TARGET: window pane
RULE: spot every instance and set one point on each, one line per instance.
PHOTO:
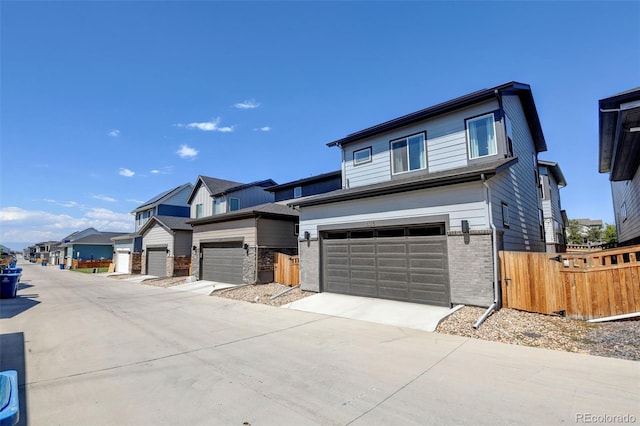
(362, 156)
(198, 210)
(399, 156)
(234, 204)
(217, 206)
(482, 137)
(416, 153)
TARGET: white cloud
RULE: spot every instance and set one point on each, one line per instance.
(133, 200)
(104, 198)
(208, 126)
(187, 152)
(262, 129)
(166, 170)
(126, 172)
(155, 172)
(114, 133)
(248, 104)
(17, 224)
(63, 203)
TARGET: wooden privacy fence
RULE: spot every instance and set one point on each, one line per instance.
(75, 264)
(581, 286)
(286, 269)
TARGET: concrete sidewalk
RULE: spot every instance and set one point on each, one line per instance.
(389, 312)
(202, 287)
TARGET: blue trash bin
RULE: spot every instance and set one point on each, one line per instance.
(62, 266)
(9, 285)
(9, 399)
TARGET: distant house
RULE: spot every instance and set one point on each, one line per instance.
(427, 200)
(97, 246)
(237, 228)
(620, 158)
(166, 246)
(128, 248)
(66, 244)
(551, 180)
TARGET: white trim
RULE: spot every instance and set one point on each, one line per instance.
(495, 135)
(406, 139)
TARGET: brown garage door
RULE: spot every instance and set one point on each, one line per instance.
(401, 263)
(222, 262)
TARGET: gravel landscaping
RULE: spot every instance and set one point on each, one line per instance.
(262, 293)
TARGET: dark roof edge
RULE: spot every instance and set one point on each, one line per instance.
(457, 103)
(156, 199)
(225, 217)
(555, 169)
(293, 183)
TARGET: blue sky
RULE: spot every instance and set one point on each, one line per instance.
(106, 104)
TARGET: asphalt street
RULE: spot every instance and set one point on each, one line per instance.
(93, 350)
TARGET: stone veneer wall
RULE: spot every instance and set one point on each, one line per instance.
(181, 266)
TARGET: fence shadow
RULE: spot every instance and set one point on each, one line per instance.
(12, 358)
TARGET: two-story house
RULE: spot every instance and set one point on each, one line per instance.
(165, 257)
(427, 201)
(620, 158)
(66, 244)
(236, 229)
(555, 219)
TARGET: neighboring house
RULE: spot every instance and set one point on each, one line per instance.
(67, 247)
(620, 157)
(169, 203)
(588, 224)
(211, 196)
(237, 228)
(307, 187)
(166, 246)
(551, 180)
(127, 254)
(128, 248)
(44, 251)
(238, 247)
(98, 246)
(427, 201)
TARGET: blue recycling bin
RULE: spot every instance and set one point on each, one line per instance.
(62, 266)
(9, 399)
(9, 285)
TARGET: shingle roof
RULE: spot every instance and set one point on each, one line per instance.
(101, 238)
(312, 179)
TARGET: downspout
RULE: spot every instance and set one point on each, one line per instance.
(496, 290)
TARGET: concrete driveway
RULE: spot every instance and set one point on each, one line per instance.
(93, 350)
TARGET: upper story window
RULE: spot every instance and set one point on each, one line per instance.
(234, 204)
(362, 156)
(481, 135)
(217, 206)
(408, 154)
(297, 192)
(509, 131)
(199, 210)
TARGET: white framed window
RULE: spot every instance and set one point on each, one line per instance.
(408, 154)
(217, 206)
(297, 192)
(505, 215)
(234, 204)
(199, 210)
(481, 136)
(362, 156)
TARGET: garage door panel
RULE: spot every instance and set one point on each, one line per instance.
(223, 263)
(157, 262)
(413, 269)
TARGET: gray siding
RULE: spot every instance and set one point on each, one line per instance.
(243, 229)
(203, 197)
(518, 187)
(446, 146)
(179, 198)
(157, 236)
(627, 193)
(465, 201)
(552, 210)
(182, 243)
(252, 196)
(276, 233)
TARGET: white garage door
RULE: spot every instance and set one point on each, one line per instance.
(122, 262)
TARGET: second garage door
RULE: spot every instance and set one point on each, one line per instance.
(403, 263)
(157, 261)
(222, 262)
(122, 262)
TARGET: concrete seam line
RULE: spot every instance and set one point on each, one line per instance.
(115, 367)
(408, 383)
